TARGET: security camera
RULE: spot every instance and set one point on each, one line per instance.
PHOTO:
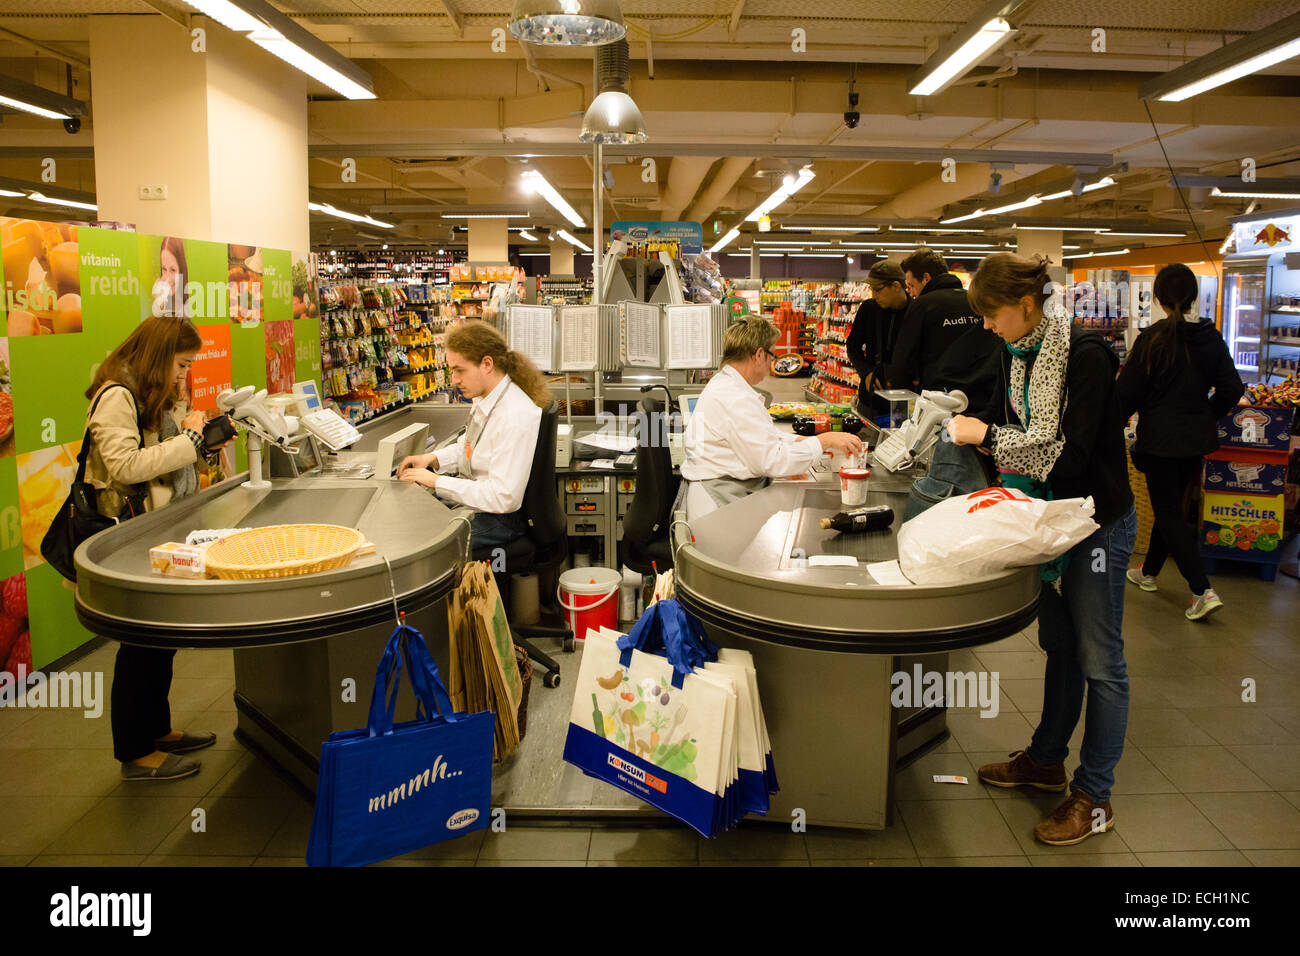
(995, 183)
(851, 116)
(72, 124)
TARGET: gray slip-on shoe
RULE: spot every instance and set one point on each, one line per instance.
(186, 743)
(172, 768)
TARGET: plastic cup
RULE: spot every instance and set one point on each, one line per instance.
(853, 487)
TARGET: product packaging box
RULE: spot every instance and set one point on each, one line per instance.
(179, 560)
(1241, 526)
(1257, 427)
(1247, 477)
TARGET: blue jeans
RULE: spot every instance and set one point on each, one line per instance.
(1080, 629)
(494, 531)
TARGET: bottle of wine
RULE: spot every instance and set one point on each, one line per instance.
(597, 717)
(875, 518)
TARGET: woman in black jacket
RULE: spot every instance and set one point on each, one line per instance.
(1055, 430)
(1167, 380)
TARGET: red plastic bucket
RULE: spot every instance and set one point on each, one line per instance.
(588, 598)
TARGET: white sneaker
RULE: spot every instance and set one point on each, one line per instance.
(1203, 605)
(1146, 582)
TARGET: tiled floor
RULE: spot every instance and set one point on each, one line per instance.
(1207, 779)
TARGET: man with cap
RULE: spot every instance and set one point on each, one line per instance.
(875, 328)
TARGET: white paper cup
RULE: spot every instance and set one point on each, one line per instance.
(853, 487)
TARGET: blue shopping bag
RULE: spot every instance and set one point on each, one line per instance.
(386, 790)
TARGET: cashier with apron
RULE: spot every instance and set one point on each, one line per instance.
(488, 469)
(732, 447)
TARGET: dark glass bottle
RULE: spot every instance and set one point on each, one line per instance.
(875, 518)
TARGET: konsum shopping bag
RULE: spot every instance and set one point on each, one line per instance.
(973, 536)
(655, 728)
(483, 674)
(386, 790)
(732, 655)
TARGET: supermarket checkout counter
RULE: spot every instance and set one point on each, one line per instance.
(826, 640)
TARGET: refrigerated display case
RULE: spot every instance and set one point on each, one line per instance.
(1243, 294)
(1261, 296)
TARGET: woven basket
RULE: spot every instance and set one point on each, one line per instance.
(526, 676)
(1142, 501)
(283, 550)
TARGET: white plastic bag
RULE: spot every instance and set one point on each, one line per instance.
(977, 535)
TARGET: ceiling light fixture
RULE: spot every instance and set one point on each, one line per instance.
(612, 117)
(930, 229)
(330, 210)
(55, 201)
(567, 22)
(1243, 194)
(573, 240)
(830, 228)
(1250, 54)
(725, 240)
(486, 215)
(1090, 255)
(525, 234)
(980, 36)
(1163, 235)
(792, 242)
(38, 101)
(11, 193)
(790, 185)
(535, 182)
(228, 15)
(1060, 228)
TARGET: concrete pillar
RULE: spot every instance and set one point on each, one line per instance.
(561, 258)
(224, 130)
(755, 262)
(489, 240)
(1039, 242)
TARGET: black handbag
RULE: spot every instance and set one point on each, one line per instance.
(79, 518)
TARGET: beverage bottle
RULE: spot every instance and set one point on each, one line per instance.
(874, 518)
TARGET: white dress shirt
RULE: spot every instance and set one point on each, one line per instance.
(501, 460)
(731, 435)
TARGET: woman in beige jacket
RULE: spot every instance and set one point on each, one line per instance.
(145, 444)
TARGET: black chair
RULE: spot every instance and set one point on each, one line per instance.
(645, 547)
(543, 547)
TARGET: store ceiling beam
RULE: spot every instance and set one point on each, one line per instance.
(898, 154)
(721, 185)
(39, 47)
(685, 176)
(456, 17)
(733, 24)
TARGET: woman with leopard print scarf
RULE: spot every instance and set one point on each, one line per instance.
(1055, 430)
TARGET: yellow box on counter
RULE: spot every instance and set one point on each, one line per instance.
(179, 560)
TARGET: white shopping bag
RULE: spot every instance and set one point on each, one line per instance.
(732, 655)
(981, 534)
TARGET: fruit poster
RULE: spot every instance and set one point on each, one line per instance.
(71, 294)
(1236, 525)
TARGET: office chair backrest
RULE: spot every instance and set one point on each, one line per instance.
(541, 498)
(648, 516)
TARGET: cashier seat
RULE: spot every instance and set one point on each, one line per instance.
(543, 547)
(645, 526)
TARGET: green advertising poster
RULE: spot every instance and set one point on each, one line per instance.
(207, 297)
(55, 630)
(11, 532)
(277, 285)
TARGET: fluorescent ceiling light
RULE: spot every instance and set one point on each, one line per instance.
(790, 242)
(11, 193)
(725, 240)
(31, 108)
(1060, 228)
(1035, 200)
(830, 228)
(350, 216)
(930, 229)
(485, 215)
(525, 234)
(535, 182)
(535, 254)
(1071, 247)
(789, 186)
(1090, 255)
(1235, 194)
(1108, 232)
(274, 42)
(949, 63)
(53, 201)
(1250, 54)
(573, 240)
(228, 15)
(823, 255)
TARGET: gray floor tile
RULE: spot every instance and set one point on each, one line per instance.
(58, 773)
(210, 664)
(1135, 773)
(864, 863)
(11, 718)
(280, 861)
(1012, 665)
(467, 847)
(117, 825)
(413, 861)
(1143, 662)
(20, 860)
(1278, 765)
(1165, 821)
(1025, 696)
(81, 860)
(957, 828)
(1164, 727)
(1085, 859)
(61, 729)
(1016, 642)
(522, 844)
(1007, 731)
(531, 863)
(755, 843)
(251, 776)
(1273, 857)
(215, 764)
(1194, 858)
(656, 863)
(1292, 797)
(165, 860)
(1254, 821)
(916, 781)
(236, 826)
(1240, 725)
(628, 846)
(763, 863)
(1025, 814)
(199, 693)
(1204, 769)
(1020, 860)
(292, 836)
(1287, 717)
(836, 844)
(1230, 660)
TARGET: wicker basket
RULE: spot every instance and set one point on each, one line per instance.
(1142, 501)
(283, 550)
(526, 676)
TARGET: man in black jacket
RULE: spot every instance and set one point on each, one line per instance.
(875, 328)
(942, 343)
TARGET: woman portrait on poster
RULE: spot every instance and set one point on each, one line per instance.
(173, 272)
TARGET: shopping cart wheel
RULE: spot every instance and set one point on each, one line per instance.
(568, 645)
(552, 679)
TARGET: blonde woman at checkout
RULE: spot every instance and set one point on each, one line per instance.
(487, 471)
(732, 447)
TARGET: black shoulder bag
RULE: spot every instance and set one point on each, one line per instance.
(79, 518)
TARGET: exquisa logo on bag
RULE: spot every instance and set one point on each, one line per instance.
(462, 818)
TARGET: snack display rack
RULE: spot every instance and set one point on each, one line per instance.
(835, 306)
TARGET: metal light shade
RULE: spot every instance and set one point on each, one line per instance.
(613, 118)
(567, 22)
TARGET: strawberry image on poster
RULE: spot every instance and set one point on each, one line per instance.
(15, 638)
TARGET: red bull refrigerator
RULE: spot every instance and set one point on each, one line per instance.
(1261, 296)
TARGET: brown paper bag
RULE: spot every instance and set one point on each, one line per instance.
(483, 665)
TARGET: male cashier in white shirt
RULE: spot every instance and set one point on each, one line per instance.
(732, 447)
(488, 470)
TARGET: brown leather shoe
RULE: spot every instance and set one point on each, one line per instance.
(1020, 771)
(1075, 820)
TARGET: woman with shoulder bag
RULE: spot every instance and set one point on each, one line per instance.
(1055, 430)
(145, 445)
(1168, 381)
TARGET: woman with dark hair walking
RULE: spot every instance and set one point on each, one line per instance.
(1180, 380)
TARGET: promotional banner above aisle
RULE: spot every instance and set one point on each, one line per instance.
(646, 239)
(72, 293)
